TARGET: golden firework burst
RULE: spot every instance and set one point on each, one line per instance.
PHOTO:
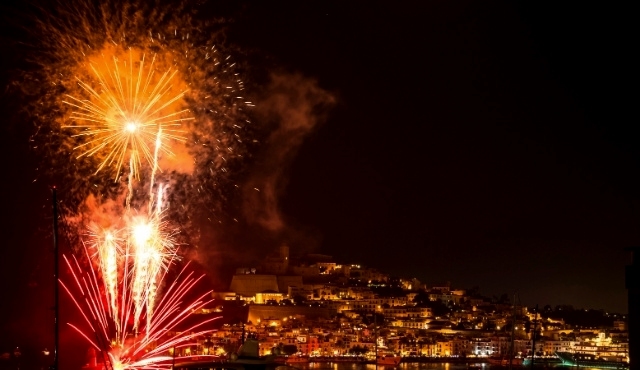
(131, 114)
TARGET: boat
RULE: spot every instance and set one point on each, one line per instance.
(247, 358)
(505, 360)
(296, 359)
(388, 359)
(384, 356)
(589, 360)
(542, 362)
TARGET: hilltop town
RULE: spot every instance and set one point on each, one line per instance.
(315, 307)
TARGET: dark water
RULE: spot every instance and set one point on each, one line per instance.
(402, 366)
(417, 366)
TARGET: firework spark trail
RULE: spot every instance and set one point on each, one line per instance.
(153, 252)
(140, 252)
(108, 254)
(129, 186)
(146, 350)
(155, 167)
(133, 262)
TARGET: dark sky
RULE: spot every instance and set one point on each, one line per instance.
(487, 143)
(482, 143)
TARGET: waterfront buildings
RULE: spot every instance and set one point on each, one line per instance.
(315, 306)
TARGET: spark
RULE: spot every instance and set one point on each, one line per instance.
(153, 250)
(128, 346)
(132, 262)
(107, 244)
(130, 110)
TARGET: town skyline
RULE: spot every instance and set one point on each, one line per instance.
(311, 260)
(485, 144)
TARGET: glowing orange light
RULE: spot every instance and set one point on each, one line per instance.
(129, 112)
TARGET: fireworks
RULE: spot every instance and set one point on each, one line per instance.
(128, 315)
(144, 93)
(131, 113)
(139, 92)
(129, 348)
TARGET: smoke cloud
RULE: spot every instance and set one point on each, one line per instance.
(294, 105)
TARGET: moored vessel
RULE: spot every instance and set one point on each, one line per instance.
(588, 360)
(505, 361)
(388, 360)
(296, 359)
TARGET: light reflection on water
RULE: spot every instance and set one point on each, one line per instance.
(414, 366)
(402, 366)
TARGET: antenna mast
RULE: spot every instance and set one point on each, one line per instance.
(56, 306)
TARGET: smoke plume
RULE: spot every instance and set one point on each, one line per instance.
(295, 105)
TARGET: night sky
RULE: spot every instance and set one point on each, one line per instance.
(488, 144)
(483, 143)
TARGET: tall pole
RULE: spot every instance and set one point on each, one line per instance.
(533, 337)
(513, 333)
(632, 274)
(56, 307)
(243, 334)
(375, 330)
